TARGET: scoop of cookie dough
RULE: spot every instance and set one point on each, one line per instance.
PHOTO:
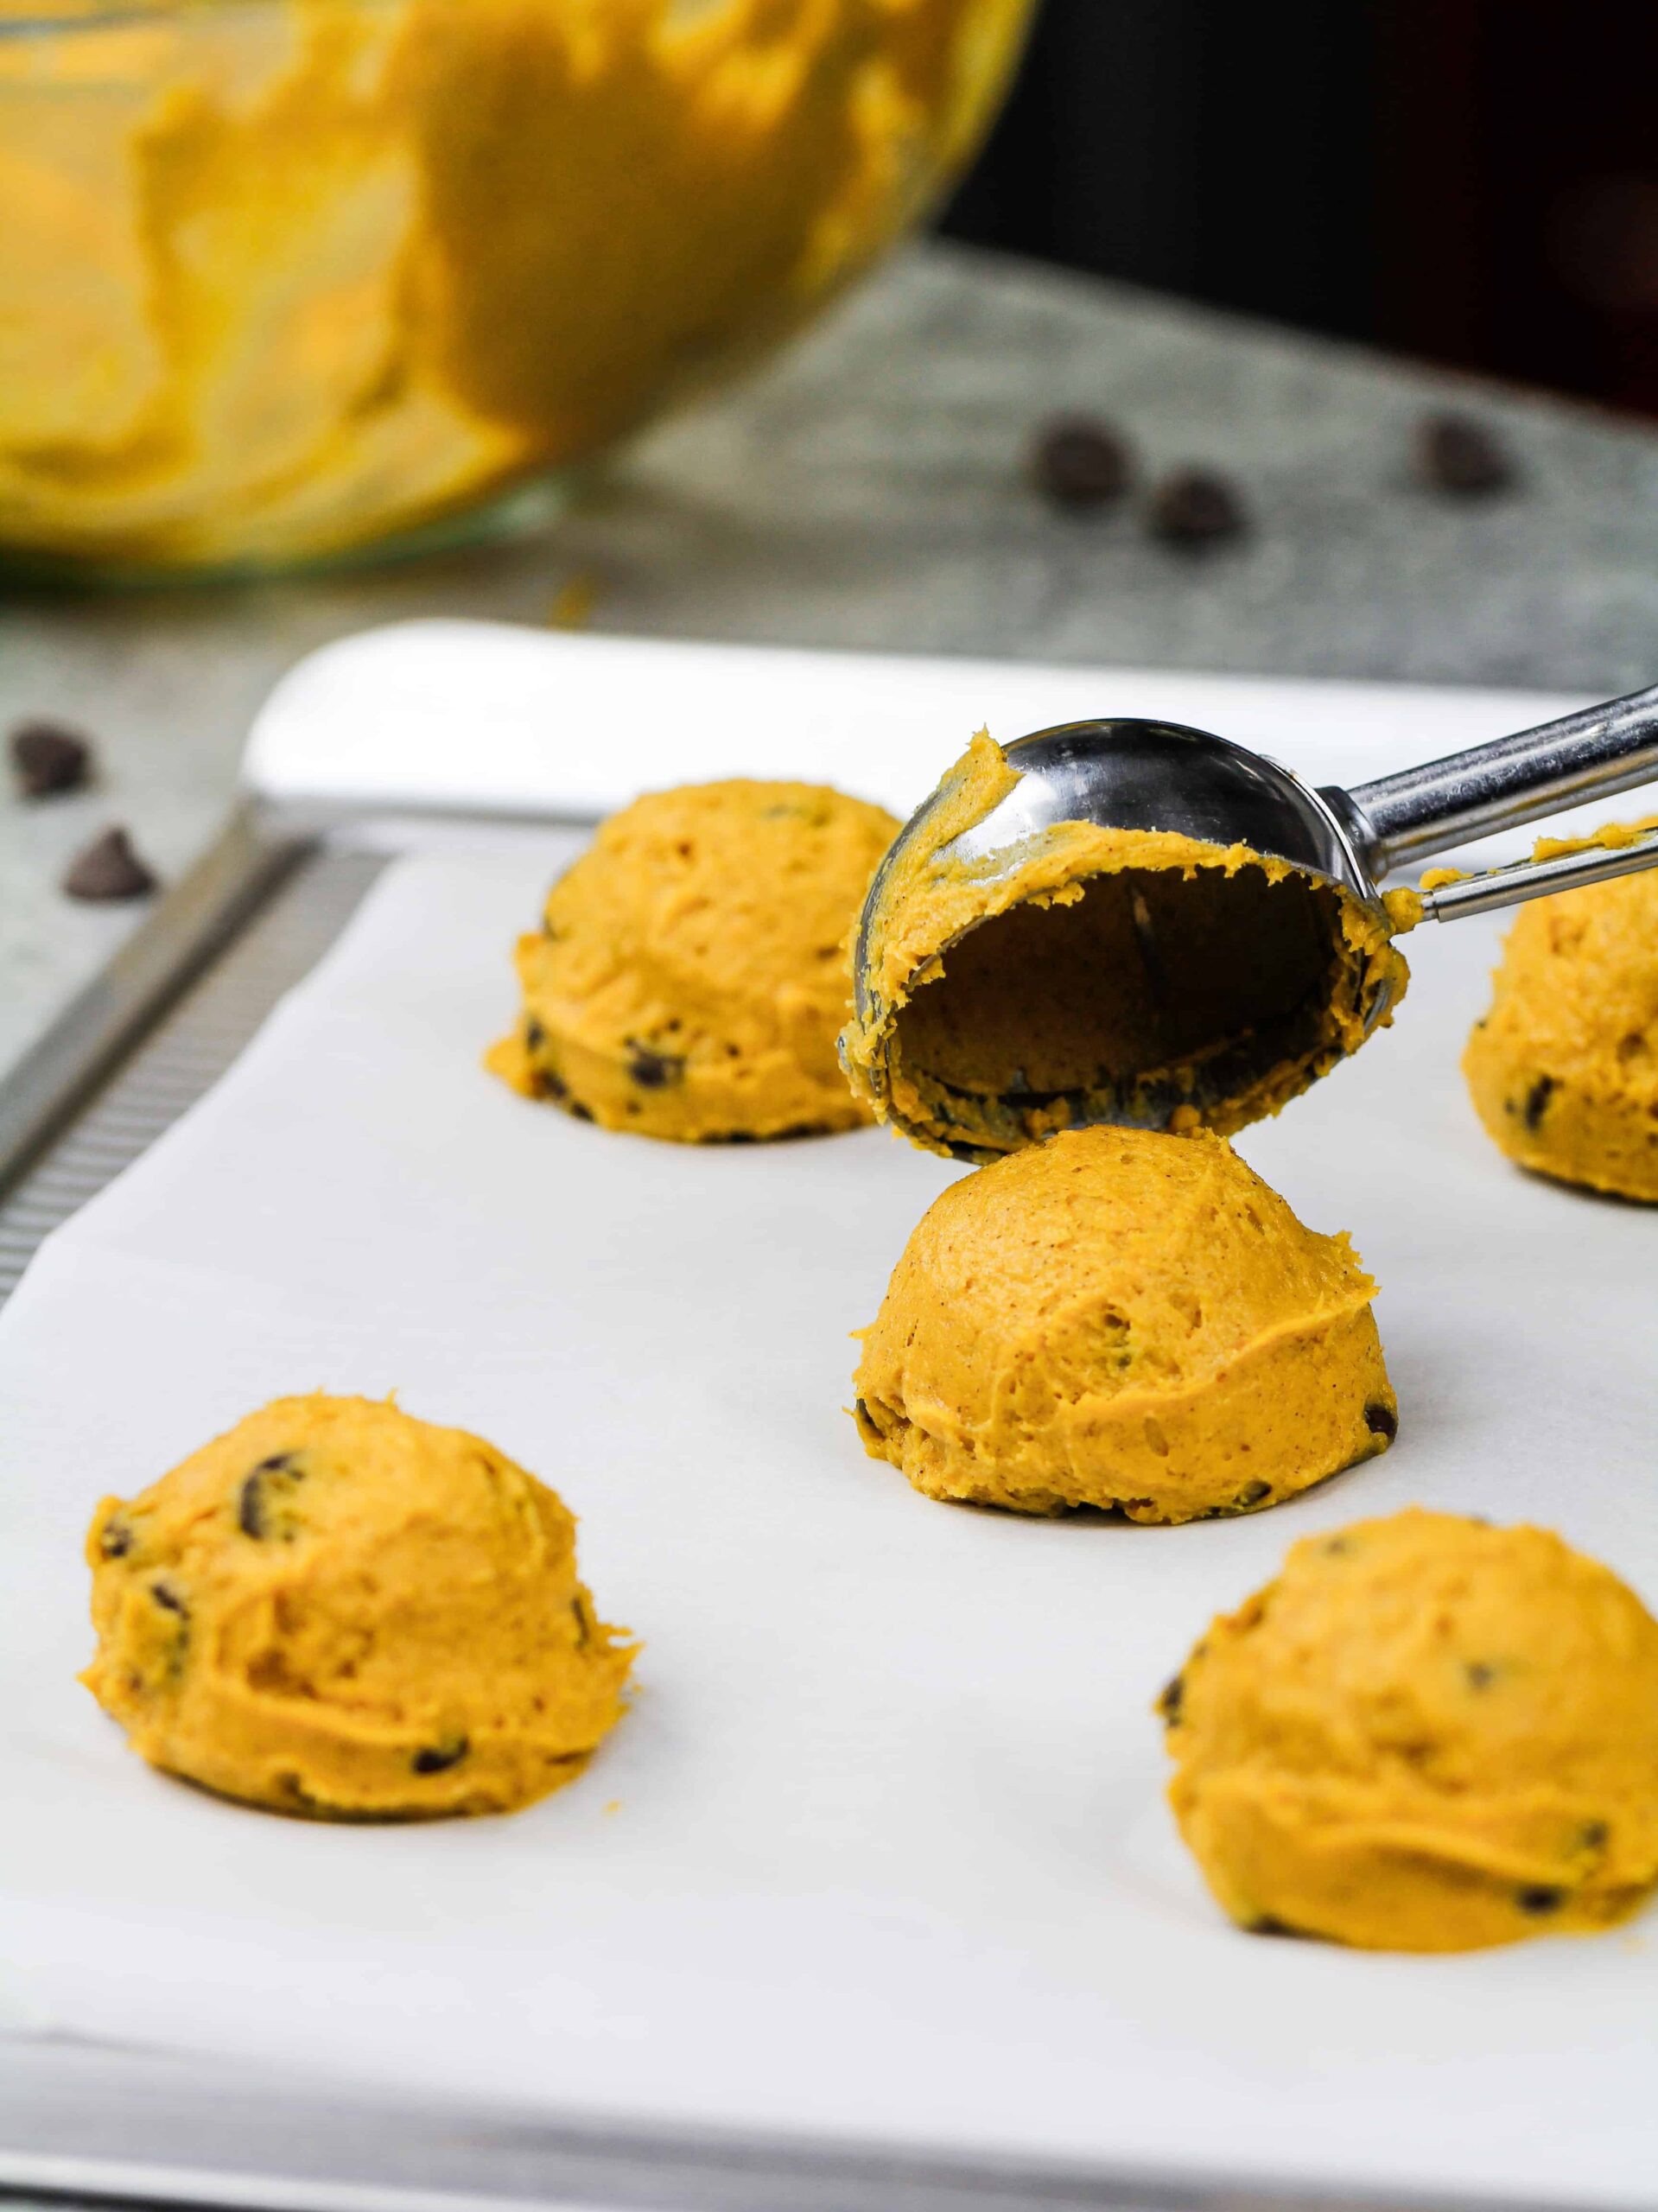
(690, 974)
(1426, 1735)
(1563, 1068)
(1109, 976)
(337, 1610)
(1120, 1318)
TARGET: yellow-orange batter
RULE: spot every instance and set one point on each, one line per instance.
(277, 276)
(1563, 1070)
(1427, 1734)
(337, 1610)
(1105, 975)
(1121, 1319)
(690, 972)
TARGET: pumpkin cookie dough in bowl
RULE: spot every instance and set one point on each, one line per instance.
(1120, 1318)
(337, 1610)
(1083, 975)
(691, 973)
(1563, 1070)
(1427, 1734)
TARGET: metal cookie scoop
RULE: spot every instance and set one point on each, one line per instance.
(1005, 1041)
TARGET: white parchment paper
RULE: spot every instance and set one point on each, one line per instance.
(881, 1849)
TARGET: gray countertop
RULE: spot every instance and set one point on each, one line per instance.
(869, 490)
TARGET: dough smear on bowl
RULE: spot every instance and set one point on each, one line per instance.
(690, 974)
(1123, 975)
(1121, 1319)
(1427, 1734)
(337, 1610)
(1563, 1070)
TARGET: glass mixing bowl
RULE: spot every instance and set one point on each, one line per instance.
(280, 278)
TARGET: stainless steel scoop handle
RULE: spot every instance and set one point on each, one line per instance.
(1591, 754)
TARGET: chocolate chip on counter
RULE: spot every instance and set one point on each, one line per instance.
(1382, 1420)
(115, 1538)
(1079, 462)
(168, 1599)
(653, 1071)
(1173, 1699)
(1455, 453)
(1540, 1898)
(1194, 507)
(438, 1759)
(1537, 1100)
(109, 869)
(253, 1501)
(49, 757)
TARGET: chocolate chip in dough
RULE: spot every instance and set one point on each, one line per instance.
(1539, 1898)
(1455, 453)
(168, 1599)
(1079, 462)
(115, 1539)
(1195, 507)
(109, 869)
(1381, 1421)
(256, 1513)
(653, 1071)
(49, 757)
(1537, 1100)
(1173, 1697)
(438, 1759)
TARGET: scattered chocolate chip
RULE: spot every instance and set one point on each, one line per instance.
(1381, 1419)
(116, 1538)
(109, 869)
(1173, 1697)
(1480, 1674)
(1194, 507)
(1079, 462)
(1537, 1100)
(438, 1759)
(49, 757)
(534, 1035)
(168, 1599)
(1454, 453)
(1540, 1898)
(1253, 1493)
(254, 1516)
(653, 1071)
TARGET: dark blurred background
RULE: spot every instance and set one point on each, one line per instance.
(1475, 182)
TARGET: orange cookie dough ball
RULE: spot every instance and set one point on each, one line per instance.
(1426, 1735)
(690, 975)
(1121, 1319)
(337, 1610)
(1563, 1068)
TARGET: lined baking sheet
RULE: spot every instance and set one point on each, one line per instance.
(881, 1849)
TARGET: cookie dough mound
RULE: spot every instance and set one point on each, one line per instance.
(1426, 1735)
(1563, 1068)
(1120, 1318)
(1102, 975)
(690, 974)
(337, 1610)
